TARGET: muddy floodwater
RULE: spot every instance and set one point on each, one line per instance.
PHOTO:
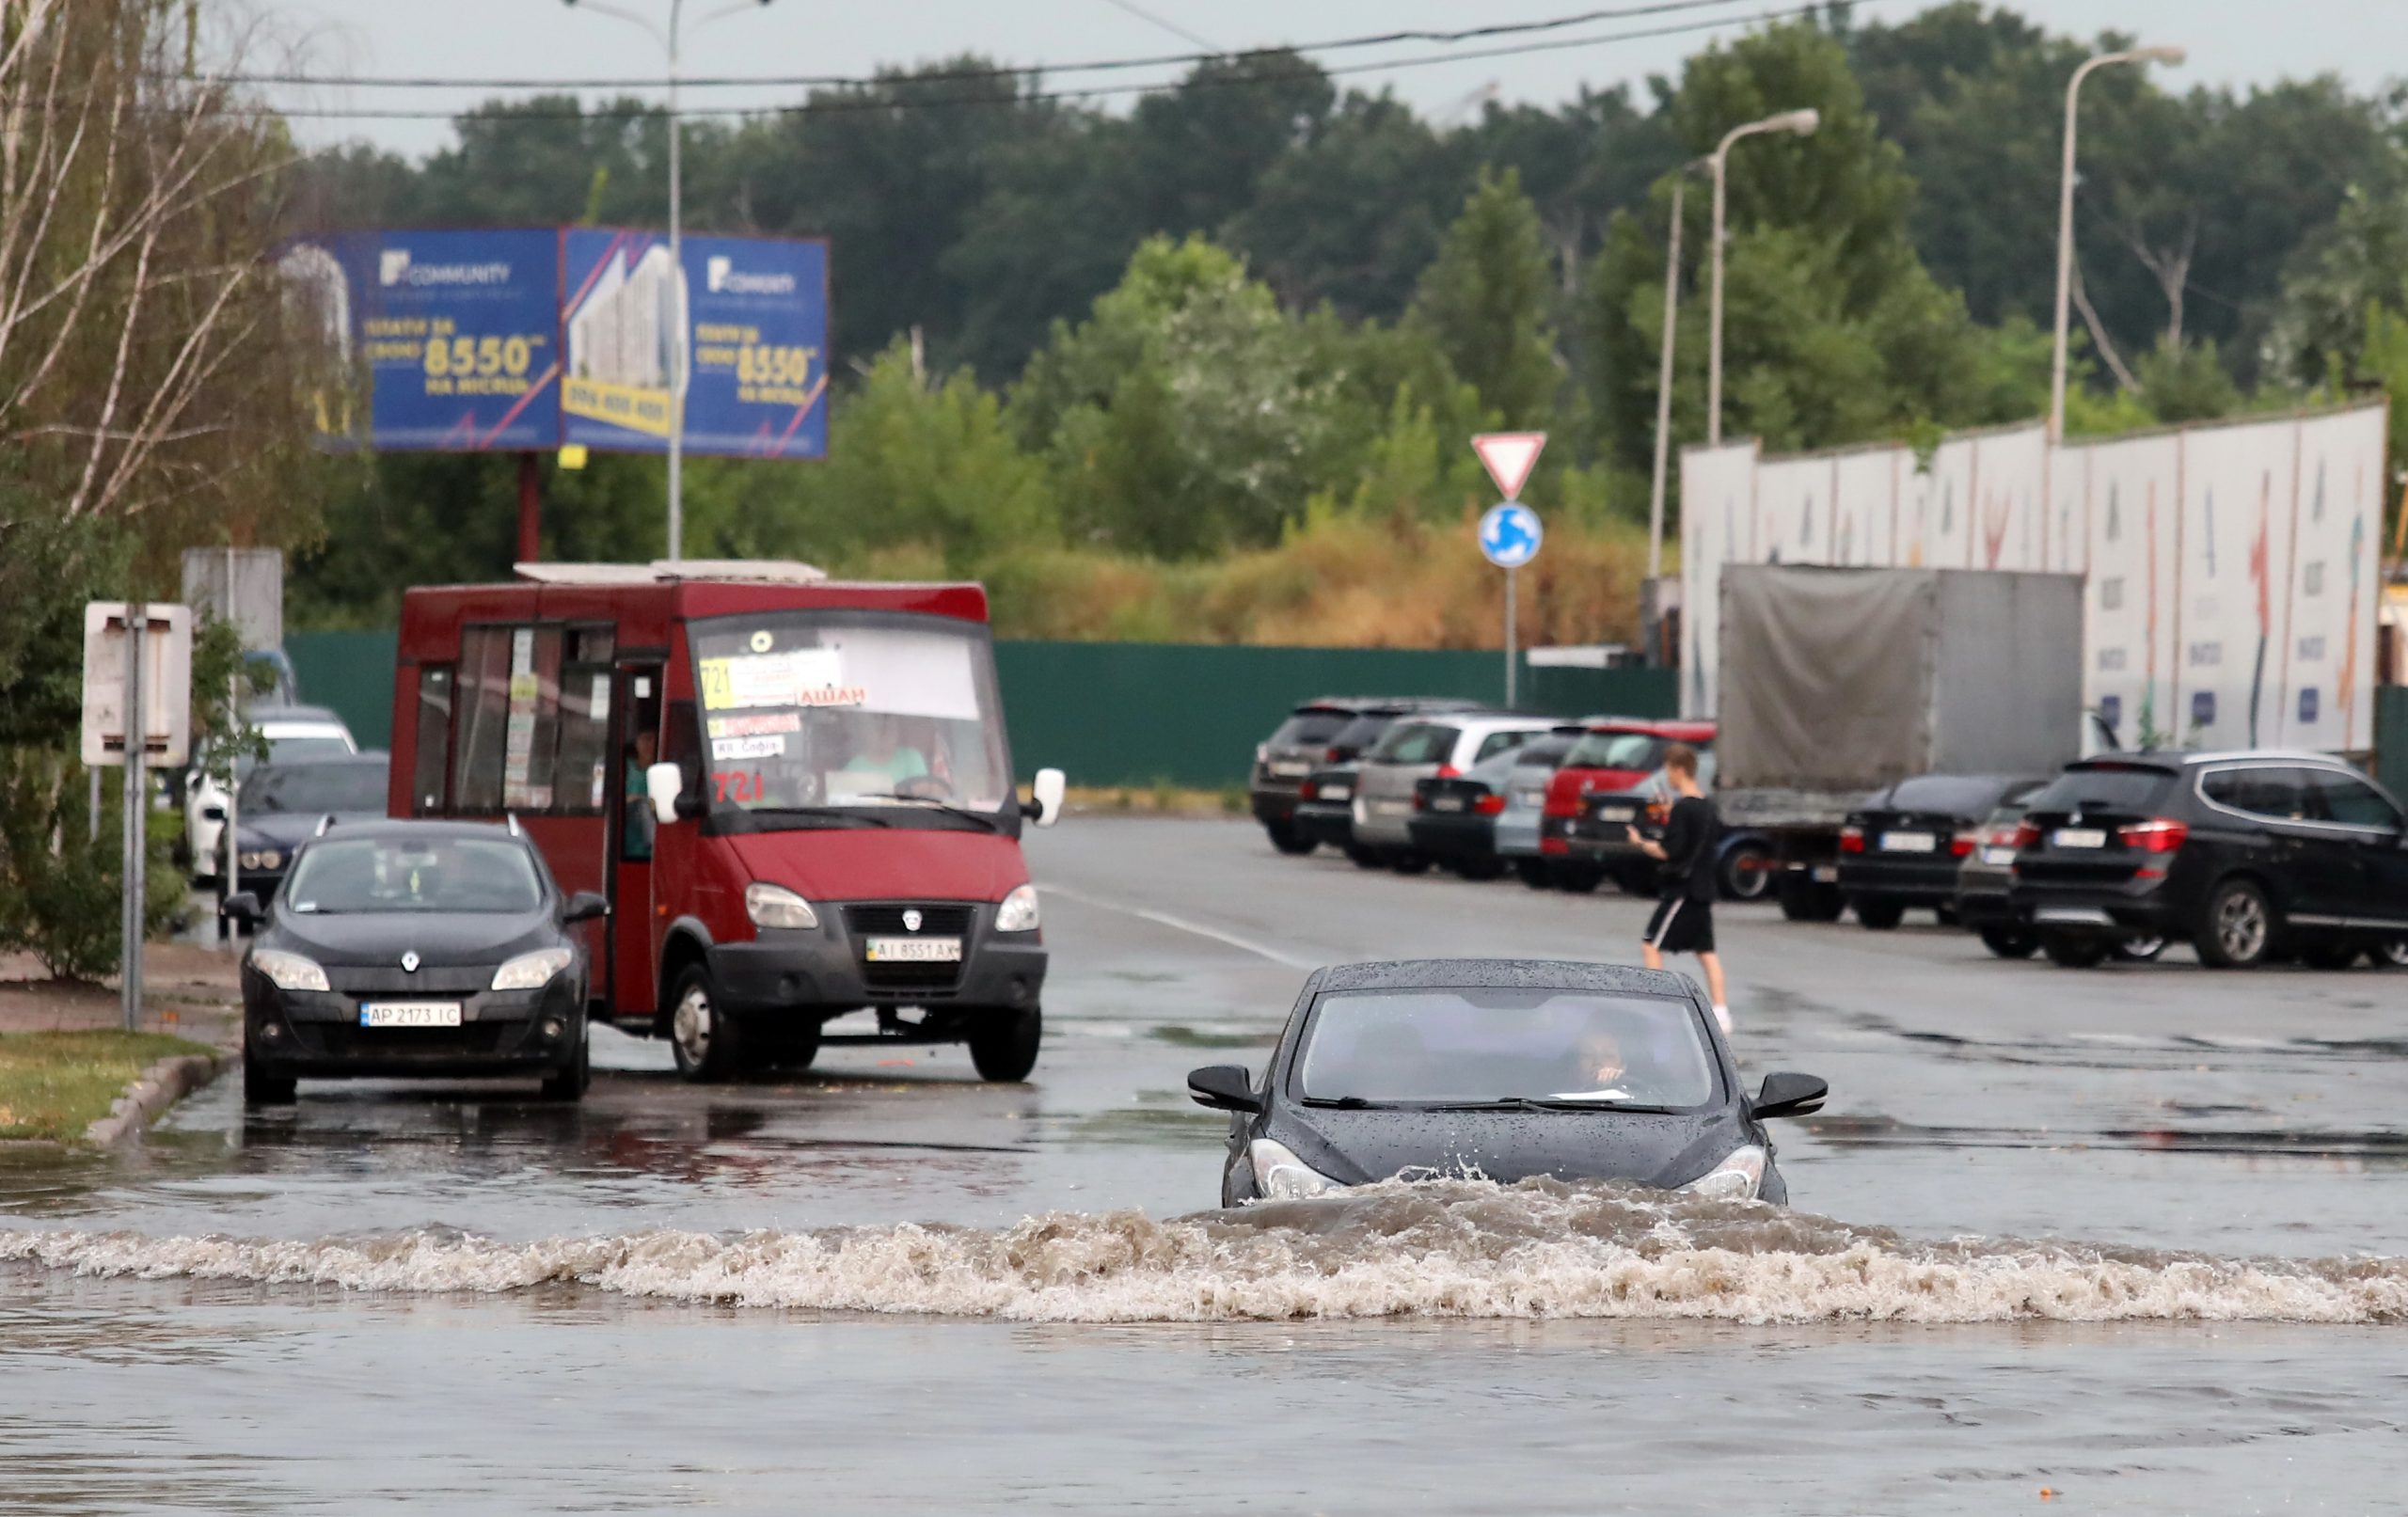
(2135, 1236)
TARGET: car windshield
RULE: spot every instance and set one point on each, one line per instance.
(315, 789)
(297, 750)
(1617, 750)
(2103, 790)
(1951, 795)
(1310, 729)
(1499, 1044)
(805, 710)
(337, 876)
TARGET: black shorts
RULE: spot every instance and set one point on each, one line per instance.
(1681, 925)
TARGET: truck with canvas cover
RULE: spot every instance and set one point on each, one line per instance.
(1836, 682)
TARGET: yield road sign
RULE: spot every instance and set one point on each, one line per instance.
(1509, 457)
(1509, 535)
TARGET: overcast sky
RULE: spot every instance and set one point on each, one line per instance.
(2233, 41)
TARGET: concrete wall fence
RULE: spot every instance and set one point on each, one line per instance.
(1123, 713)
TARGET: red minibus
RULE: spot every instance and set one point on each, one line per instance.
(795, 794)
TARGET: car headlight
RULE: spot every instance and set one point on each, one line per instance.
(1019, 912)
(774, 906)
(262, 858)
(1280, 1175)
(289, 972)
(1738, 1177)
(531, 971)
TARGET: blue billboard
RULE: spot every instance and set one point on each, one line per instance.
(754, 333)
(527, 340)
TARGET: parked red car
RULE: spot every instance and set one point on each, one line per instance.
(1615, 756)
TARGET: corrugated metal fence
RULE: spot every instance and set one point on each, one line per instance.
(1120, 713)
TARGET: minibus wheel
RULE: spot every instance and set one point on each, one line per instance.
(701, 1035)
(1004, 1048)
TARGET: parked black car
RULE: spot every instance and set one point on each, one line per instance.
(415, 948)
(1904, 845)
(1324, 813)
(1333, 730)
(1509, 1067)
(280, 805)
(1984, 881)
(2246, 855)
(1454, 818)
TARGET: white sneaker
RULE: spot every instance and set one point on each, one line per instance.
(1722, 1019)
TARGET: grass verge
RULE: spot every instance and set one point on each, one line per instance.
(53, 1085)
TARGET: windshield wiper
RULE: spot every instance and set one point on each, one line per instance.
(1543, 1103)
(981, 818)
(1339, 1103)
(833, 813)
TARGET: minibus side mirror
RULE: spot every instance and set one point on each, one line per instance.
(1047, 794)
(664, 783)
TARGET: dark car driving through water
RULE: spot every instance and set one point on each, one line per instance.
(1505, 1070)
(415, 949)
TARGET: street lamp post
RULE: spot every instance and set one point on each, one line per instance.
(1801, 123)
(2065, 221)
(669, 40)
(1664, 379)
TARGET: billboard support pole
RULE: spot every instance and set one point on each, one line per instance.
(531, 510)
(678, 360)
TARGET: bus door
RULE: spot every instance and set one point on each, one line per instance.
(634, 939)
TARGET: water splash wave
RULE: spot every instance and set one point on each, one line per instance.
(1448, 1248)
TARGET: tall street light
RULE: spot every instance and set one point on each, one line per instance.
(1664, 378)
(669, 40)
(1800, 122)
(2065, 221)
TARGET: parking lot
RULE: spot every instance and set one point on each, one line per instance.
(2181, 1120)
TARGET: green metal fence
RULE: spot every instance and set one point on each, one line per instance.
(1120, 713)
(2391, 738)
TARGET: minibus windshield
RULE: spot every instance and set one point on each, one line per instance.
(807, 710)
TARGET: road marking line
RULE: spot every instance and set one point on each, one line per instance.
(1182, 924)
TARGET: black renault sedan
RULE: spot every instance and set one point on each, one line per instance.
(415, 949)
(1502, 1068)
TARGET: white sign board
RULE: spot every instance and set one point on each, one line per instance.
(166, 683)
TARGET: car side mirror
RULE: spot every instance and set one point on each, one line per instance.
(1045, 797)
(212, 814)
(1786, 1094)
(244, 908)
(663, 784)
(1224, 1087)
(584, 907)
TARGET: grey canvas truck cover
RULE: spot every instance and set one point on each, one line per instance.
(1839, 681)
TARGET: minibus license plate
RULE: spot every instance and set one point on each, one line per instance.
(914, 951)
(2081, 837)
(1909, 842)
(410, 1014)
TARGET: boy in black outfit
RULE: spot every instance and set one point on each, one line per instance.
(1684, 919)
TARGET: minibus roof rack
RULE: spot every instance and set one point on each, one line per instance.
(752, 571)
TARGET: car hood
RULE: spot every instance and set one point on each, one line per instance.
(873, 863)
(440, 939)
(1649, 1148)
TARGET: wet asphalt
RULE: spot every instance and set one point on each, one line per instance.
(2152, 1106)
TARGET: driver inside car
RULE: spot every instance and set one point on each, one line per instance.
(881, 752)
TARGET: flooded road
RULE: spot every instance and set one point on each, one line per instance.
(2131, 1234)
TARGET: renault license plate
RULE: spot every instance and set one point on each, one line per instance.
(2081, 837)
(409, 1014)
(914, 951)
(1909, 842)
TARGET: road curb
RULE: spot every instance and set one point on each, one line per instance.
(152, 1092)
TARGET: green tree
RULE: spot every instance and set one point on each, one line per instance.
(1489, 300)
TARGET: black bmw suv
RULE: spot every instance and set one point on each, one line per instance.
(2247, 855)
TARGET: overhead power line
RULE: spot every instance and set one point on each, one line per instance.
(1033, 97)
(1469, 34)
